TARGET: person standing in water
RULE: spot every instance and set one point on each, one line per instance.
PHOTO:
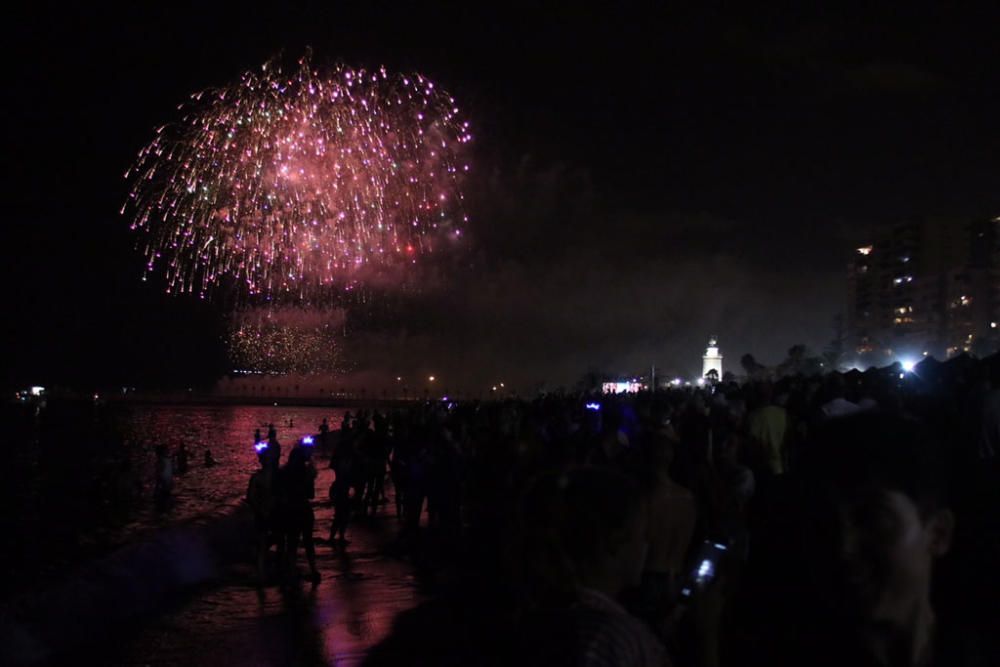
(262, 498)
(164, 482)
(298, 488)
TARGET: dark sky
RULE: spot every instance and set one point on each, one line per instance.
(643, 177)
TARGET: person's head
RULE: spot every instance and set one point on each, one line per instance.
(263, 454)
(297, 458)
(888, 517)
(583, 527)
(305, 447)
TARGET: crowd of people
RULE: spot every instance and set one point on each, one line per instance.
(844, 519)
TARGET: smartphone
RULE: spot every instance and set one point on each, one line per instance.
(704, 570)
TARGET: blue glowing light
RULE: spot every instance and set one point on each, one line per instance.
(593, 406)
(260, 447)
(307, 441)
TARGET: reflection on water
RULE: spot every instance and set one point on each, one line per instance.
(335, 623)
(362, 588)
(228, 432)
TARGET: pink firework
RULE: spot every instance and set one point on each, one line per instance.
(297, 185)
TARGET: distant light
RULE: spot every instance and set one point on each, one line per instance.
(909, 365)
(445, 399)
(431, 378)
(701, 382)
(307, 441)
(593, 406)
(865, 250)
(38, 391)
(993, 325)
(902, 375)
(260, 447)
(399, 379)
(494, 387)
(677, 382)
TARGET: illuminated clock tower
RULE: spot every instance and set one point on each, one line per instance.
(712, 359)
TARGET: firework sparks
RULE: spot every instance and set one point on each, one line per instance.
(292, 185)
(287, 340)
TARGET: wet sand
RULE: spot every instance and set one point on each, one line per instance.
(234, 622)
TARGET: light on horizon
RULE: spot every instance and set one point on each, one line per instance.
(909, 365)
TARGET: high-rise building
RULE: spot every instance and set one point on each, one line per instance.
(925, 288)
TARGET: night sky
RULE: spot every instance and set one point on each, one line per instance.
(643, 177)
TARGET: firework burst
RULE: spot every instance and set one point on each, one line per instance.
(285, 340)
(294, 186)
